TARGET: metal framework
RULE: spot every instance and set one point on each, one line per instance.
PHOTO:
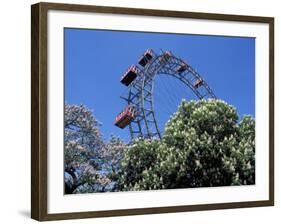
(140, 91)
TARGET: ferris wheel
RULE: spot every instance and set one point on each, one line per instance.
(139, 114)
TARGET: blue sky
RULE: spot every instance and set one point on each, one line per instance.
(96, 59)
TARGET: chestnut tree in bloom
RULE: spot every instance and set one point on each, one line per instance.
(203, 145)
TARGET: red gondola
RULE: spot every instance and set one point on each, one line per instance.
(198, 83)
(182, 68)
(130, 75)
(146, 57)
(166, 56)
(125, 117)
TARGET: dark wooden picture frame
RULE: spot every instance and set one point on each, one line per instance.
(39, 149)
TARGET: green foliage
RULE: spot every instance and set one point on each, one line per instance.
(203, 145)
(137, 161)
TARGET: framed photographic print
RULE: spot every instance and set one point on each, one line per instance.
(139, 111)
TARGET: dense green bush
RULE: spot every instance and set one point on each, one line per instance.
(203, 145)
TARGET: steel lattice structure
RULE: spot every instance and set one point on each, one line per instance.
(140, 91)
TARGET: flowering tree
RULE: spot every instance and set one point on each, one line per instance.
(82, 128)
(89, 161)
(82, 142)
(203, 145)
(112, 153)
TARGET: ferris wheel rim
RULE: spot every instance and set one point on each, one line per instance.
(147, 78)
